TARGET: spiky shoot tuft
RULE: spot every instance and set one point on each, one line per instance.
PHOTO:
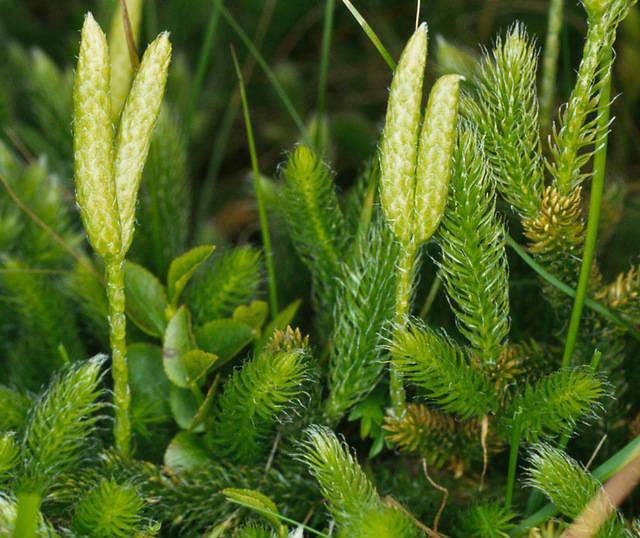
(109, 510)
(474, 262)
(438, 365)
(264, 390)
(505, 111)
(61, 422)
(353, 500)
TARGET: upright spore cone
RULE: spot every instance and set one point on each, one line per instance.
(399, 149)
(93, 142)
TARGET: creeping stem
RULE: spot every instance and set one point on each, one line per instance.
(114, 268)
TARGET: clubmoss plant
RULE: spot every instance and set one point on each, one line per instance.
(107, 176)
(415, 166)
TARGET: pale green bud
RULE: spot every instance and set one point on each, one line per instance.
(121, 67)
(93, 142)
(136, 127)
(400, 138)
(437, 142)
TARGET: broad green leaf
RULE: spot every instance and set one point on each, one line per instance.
(146, 299)
(178, 340)
(197, 363)
(253, 315)
(280, 322)
(224, 338)
(186, 452)
(184, 406)
(183, 267)
(147, 378)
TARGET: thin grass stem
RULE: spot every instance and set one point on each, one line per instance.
(593, 222)
(267, 71)
(514, 450)
(262, 211)
(203, 64)
(550, 61)
(224, 130)
(373, 37)
(327, 30)
(431, 296)
(568, 290)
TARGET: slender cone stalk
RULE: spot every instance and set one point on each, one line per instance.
(114, 268)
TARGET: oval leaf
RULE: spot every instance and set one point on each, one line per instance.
(184, 407)
(197, 363)
(224, 338)
(146, 299)
(185, 453)
(183, 267)
(178, 340)
(253, 315)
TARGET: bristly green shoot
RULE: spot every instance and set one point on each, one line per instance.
(353, 500)
(504, 108)
(110, 510)
(363, 306)
(60, 424)
(474, 263)
(265, 389)
(568, 485)
(316, 224)
(262, 211)
(556, 403)
(579, 132)
(439, 366)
